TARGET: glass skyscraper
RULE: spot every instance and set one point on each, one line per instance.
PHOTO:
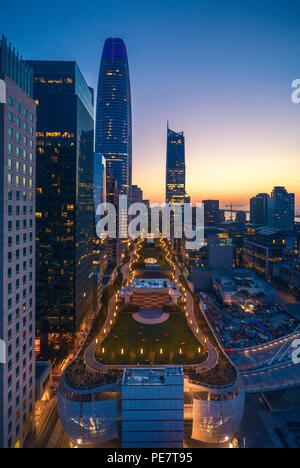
(175, 175)
(281, 212)
(17, 248)
(65, 205)
(113, 119)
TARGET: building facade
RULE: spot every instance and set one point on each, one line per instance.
(113, 118)
(65, 205)
(153, 408)
(259, 209)
(281, 213)
(17, 247)
(211, 211)
(175, 173)
(265, 249)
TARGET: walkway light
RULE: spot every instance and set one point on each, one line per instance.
(103, 350)
(180, 351)
(142, 351)
(161, 351)
(122, 351)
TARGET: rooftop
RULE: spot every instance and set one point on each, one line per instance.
(146, 376)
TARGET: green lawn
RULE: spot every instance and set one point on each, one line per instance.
(170, 336)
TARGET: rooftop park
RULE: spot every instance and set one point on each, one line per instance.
(133, 343)
(151, 251)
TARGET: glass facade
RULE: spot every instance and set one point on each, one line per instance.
(65, 205)
(113, 119)
(17, 248)
(175, 183)
(14, 67)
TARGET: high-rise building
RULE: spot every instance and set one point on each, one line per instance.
(136, 194)
(175, 174)
(99, 180)
(281, 209)
(113, 119)
(259, 209)
(65, 205)
(17, 247)
(211, 211)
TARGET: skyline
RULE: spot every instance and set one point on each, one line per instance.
(241, 58)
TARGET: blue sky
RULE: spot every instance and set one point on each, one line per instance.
(221, 71)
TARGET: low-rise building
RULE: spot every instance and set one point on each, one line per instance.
(242, 286)
(265, 248)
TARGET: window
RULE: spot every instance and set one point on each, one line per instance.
(31, 117)
(10, 117)
(25, 126)
(18, 151)
(10, 148)
(10, 132)
(25, 112)
(18, 121)
(10, 101)
(18, 107)
(18, 137)
(9, 179)
(9, 164)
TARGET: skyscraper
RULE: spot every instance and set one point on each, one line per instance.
(281, 209)
(65, 205)
(175, 174)
(259, 209)
(113, 118)
(211, 211)
(17, 246)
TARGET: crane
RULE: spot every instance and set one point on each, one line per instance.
(231, 206)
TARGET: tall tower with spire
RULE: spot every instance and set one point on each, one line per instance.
(175, 171)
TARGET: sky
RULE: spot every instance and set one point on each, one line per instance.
(221, 71)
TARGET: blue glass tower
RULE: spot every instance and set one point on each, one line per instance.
(113, 118)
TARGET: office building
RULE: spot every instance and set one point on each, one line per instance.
(265, 248)
(259, 209)
(65, 204)
(136, 194)
(175, 173)
(113, 137)
(211, 211)
(281, 212)
(17, 252)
